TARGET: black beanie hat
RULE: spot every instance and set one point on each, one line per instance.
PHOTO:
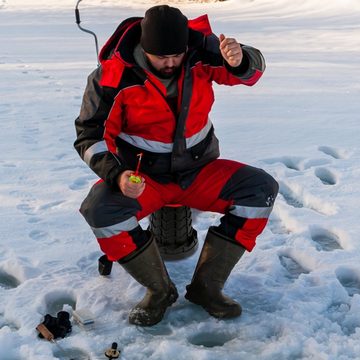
(164, 31)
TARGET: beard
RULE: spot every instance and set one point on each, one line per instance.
(168, 72)
(165, 72)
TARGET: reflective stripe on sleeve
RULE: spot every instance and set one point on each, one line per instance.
(161, 147)
(109, 231)
(94, 149)
(200, 136)
(145, 144)
(250, 212)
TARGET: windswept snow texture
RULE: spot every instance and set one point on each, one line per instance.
(299, 288)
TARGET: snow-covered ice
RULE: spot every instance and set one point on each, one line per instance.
(299, 288)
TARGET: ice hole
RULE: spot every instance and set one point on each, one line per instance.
(55, 302)
(8, 281)
(72, 353)
(210, 339)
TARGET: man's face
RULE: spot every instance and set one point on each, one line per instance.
(166, 65)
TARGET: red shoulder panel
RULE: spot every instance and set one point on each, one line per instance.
(112, 71)
(201, 24)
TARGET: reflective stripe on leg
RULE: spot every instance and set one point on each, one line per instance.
(123, 243)
(111, 230)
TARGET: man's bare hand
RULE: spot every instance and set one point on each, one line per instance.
(230, 50)
(129, 188)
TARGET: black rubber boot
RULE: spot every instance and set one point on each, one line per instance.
(147, 267)
(218, 257)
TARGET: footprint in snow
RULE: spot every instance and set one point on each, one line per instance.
(89, 262)
(38, 234)
(24, 195)
(290, 196)
(316, 162)
(297, 163)
(291, 162)
(81, 182)
(336, 153)
(277, 225)
(26, 208)
(324, 239)
(349, 280)
(292, 267)
(327, 176)
(296, 197)
(34, 220)
(51, 205)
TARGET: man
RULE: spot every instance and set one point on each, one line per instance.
(152, 95)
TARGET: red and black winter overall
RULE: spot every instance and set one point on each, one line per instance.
(125, 112)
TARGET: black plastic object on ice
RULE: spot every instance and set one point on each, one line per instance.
(113, 352)
(59, 326)
(104, 265)
(172, 229)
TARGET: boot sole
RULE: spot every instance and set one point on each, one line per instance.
(217, 314)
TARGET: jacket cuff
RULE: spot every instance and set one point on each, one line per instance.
(111, 178)
(242, 68)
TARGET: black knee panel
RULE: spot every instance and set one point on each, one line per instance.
(250, 186)
(103, 206)
(270, 189)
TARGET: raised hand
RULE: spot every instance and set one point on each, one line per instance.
(230, 50)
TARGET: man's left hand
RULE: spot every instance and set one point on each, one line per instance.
(230, 50)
